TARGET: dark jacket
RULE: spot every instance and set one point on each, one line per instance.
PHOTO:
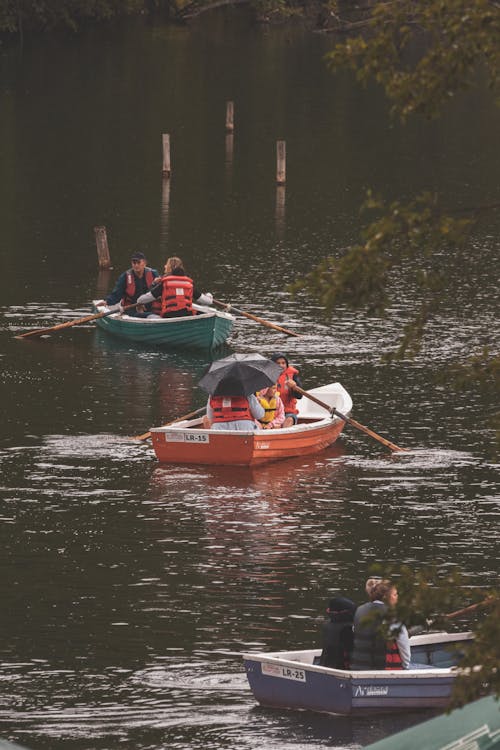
(141, 286)
(338, 635)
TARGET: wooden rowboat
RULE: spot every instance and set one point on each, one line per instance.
(188, 442)
(295, 680)
(206, 330)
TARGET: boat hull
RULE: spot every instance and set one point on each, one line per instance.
(205, 331)
(292, 680)
(241, 448)
(187, 443)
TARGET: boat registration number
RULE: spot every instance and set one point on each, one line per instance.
(287, 673)
(187, 437)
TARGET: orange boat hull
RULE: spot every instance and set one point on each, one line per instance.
(189, 446)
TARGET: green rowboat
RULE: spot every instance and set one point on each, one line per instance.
(473, 727)
(206, 330)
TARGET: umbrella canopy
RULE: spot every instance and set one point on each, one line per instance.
(239, 375)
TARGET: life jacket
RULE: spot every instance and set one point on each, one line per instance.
(269, 407)
(371, 650)
(177, 294)
(130, 290)
(230, 408)
(392, 656)
(286, 394)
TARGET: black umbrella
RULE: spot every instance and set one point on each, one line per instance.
(239, 375)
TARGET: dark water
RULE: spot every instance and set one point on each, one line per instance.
(127, 587)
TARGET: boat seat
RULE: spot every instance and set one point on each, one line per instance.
(333, 394)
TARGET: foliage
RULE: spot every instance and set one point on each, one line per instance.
(482, 373)
(52, 14)
(423, 52)
(360, 278)
(275, 9)
(428, 596)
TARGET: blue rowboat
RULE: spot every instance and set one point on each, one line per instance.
(294, 679)
(206, 330)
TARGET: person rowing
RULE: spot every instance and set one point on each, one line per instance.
(287, 381)
(131, 285)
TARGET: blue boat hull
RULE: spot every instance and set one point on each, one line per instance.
(292, 680)
(205, 331)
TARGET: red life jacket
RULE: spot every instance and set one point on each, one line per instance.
(286, 394)
(177, 294)
(129, 297)
(230, 408)
(392, 656)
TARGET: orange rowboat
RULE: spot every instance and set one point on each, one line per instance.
(187, 442)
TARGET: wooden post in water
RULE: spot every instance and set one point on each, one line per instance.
(165, 208)
(229, 117)
(102, 247)
(280, 162)
(166, 155)
(280, 210)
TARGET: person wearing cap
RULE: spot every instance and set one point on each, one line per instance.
(131, 285)
(176, 292)
(338, 637)
(287, 381)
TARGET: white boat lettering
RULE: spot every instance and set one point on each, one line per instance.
(365, 692)
(263, 446)
(287, 673)
(174, 437)
(196, 437)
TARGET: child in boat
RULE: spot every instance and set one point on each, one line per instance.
(338, 637)
(287, 381)
(270, 400)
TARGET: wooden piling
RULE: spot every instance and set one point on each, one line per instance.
(229, 117)
(166, 170)
(102, 247)
(280, 210)
(280, 162)
(164, 219)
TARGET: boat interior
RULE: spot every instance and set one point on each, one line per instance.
(439, 650)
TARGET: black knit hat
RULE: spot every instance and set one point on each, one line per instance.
(137, 256)
(278, 355)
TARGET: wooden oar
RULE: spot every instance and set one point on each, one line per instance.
(485, 603)
(178, 419)
(87, 319)
(255, 318)
(350, 421)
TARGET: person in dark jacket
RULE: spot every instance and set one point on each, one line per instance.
(338, 637)
(130, 285)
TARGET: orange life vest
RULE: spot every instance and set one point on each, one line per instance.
(177, 294)
(392, 656)
(130, 291)
(230, 408)
(286, 394)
